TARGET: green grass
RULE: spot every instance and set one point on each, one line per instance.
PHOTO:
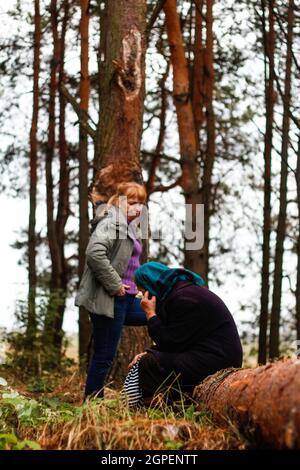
(50, 415)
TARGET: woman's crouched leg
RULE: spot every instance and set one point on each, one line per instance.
(149, 382)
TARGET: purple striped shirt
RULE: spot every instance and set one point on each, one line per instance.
(133, 264)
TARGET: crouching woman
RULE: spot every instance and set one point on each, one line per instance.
(194, 334)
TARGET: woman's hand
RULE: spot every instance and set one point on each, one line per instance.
(148, 305)
(122, 290)
(136, 358)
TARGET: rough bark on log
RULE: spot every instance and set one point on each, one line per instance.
(263, 402)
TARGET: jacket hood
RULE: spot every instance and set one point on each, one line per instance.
(115, 213)
(101, 213)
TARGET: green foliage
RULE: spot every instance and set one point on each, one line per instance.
(11, 442)
(171, 444)
(100, 423)
(154, 413)
(41, 385)
(201, 416)
(17, 410)
(8, 417)
(33, 351)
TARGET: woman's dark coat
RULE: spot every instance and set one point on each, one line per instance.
(195, 335)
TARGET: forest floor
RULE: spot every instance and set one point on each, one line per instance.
(48, 413)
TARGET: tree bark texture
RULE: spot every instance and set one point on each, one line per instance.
(269, 51)
(281, 226)
(263, 403)
(31, 326)
(123, 81)
(84, 92)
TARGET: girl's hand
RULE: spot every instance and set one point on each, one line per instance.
(122, 290)
(148, 305)
(136, 358)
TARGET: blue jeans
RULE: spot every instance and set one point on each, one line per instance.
(106, 335)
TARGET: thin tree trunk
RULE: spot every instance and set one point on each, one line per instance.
(52, 239)
(281, 227)
(182, 101)
(101, 58)
(84, 91)
(198, 69)
(56, 304)
(298, 250)
(150, 185)
(196, 257)
(63, 194)
(263, 403)
(269, 50)
(31, 326)
(210, 131)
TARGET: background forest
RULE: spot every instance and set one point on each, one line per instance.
(242, 85)
(217, 122)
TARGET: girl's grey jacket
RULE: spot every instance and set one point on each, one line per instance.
(107, 256)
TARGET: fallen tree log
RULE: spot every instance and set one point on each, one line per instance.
(263, 402)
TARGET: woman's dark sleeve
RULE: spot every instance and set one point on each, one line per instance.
(182, 327)
(167, 337)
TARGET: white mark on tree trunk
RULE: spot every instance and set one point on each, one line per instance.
(129, 67)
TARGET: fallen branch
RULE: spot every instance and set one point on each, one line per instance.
(263, 402)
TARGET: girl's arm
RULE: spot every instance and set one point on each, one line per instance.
(101, 242)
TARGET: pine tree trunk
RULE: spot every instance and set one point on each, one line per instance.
(281, 227)
(263, 403)
(84, 91)
(195, 260)
(63, 194)
(198, 69)
(182, 100)
(150, 185)
(56, 267)
(269, 51)
(31, 326)
(122, 87)
(210, 132)
(102, 51)
(189, 122)
(298, 250)
(55, 227)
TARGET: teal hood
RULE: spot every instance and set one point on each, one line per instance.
(158, 279)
